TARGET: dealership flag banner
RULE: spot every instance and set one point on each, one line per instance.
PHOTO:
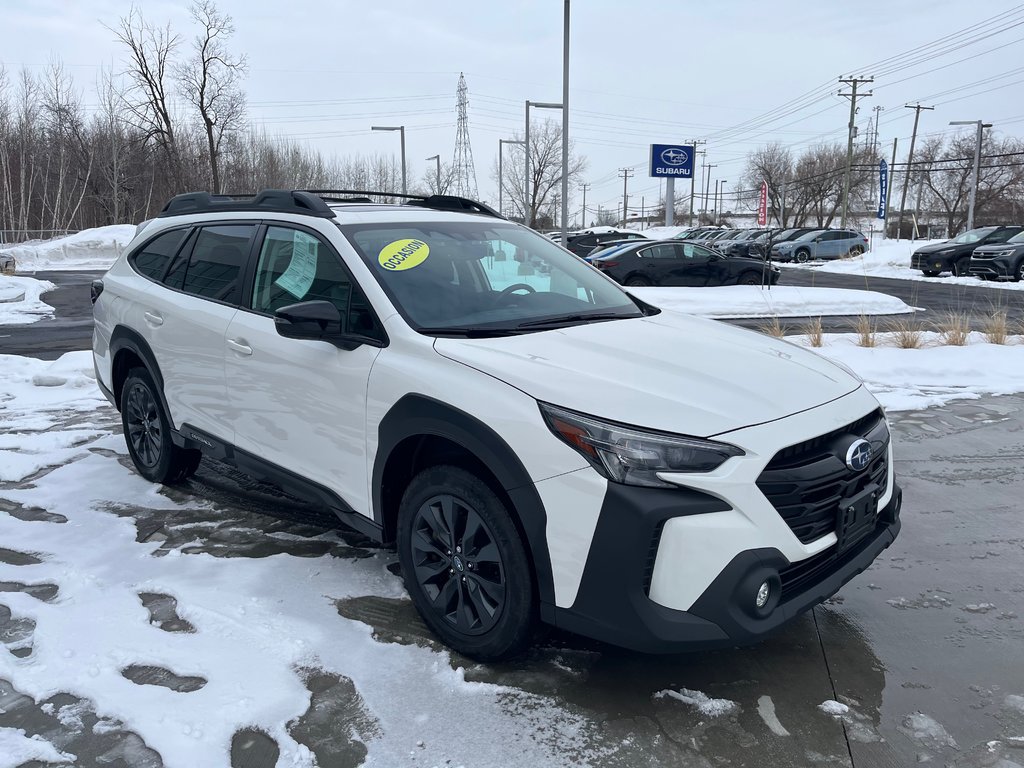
(883, 183)
(762, 207)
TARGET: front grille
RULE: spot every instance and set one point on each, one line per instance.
(805, 482)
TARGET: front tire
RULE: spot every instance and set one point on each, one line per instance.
(749, 278)
(638, 282)
(147, 433)
(802, 256)
(929, 273)
(962, 268)
(1018, 274)
(465, 565)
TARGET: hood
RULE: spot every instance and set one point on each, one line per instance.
(671, 372)
(943, 246)
(998, 247)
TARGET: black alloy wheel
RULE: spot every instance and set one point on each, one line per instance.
(802, 256)
(147, 433)
(457, 564)
(142, 421)
(464, 563)
(856, 250)
(1018, 274)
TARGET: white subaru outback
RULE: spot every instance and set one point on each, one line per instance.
(536, 441)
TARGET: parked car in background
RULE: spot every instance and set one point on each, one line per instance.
(759, 246)
(821, 244)
(738, 245)
(1004, 261)
(955, 255)
(583, 244)
(696, 234)
(671, 262)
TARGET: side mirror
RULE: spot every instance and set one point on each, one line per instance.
(714, 257)
(817, 239)
(321, 321)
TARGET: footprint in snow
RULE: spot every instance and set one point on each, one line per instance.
(44, 592)
(13, 557)
(141, 674)
(163, 612)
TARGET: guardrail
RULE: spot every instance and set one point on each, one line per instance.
(16, 236)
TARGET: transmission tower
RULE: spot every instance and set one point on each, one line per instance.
(463, 172)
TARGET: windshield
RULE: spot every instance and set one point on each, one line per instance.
(463, 277)
(1018, 238)
(974, 235)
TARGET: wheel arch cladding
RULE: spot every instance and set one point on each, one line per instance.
(412, 424)
(129, 350)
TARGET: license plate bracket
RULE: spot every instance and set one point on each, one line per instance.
(857, 516)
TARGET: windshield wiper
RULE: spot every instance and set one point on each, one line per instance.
(573, 318)
(469, 332)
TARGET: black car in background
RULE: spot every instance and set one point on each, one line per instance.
(955, 255)
(583, 244)
(759, 246)
(678, 262)
(1003, 261)
(739, 244)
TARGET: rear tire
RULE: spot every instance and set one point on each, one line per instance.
(749, 278)
(638, 282)
(147, 433)
(856, 250)
(465, 565)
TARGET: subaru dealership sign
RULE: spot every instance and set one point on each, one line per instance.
(671, 160)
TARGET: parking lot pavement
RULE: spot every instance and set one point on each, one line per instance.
(68, 330)
(919, 658)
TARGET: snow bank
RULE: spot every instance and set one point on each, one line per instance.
(20, 302)
(89, 249)
(914, 379)
(18, 749)
(891, 258)
(734, 301)
(662, 233)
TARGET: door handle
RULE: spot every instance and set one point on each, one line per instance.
(153, 318)
(239, 347)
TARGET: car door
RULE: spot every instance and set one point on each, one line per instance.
(301, 403)
(687, 264)
(186, 319)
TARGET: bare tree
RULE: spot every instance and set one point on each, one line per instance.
(772, 163)
(151, 57)
(210, 81)
(545, 169)
(439, 185)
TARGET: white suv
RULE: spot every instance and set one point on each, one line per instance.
(535, 440)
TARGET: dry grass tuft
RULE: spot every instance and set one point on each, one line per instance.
(907, 333)
(955, 329)
(866, 329)
(772, 327)
(996, 327)
(814, 332)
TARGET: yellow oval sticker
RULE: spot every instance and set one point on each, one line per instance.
(403, 254)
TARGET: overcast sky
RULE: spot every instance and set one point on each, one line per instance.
(641, 72)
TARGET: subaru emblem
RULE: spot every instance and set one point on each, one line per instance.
(858, 455)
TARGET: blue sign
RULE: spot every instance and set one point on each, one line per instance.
(671, 160)
(883, 188)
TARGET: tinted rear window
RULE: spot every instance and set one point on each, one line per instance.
(218, 258)
(155, 255)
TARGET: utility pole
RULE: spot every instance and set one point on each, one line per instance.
(693, 176)
(874, 139)
(853, 82)
(977, 167)
(888, 190)
(910, 159)
(721, 204)
(707, 192)
(714, 204)
(627, 174)
(584, 188)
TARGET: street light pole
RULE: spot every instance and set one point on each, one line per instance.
(438, 159)
(721, 205)
(501, 183)
(565, 124)
(401, 130)
(976, 172)
(527, 218)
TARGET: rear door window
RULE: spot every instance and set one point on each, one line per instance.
(218, 261)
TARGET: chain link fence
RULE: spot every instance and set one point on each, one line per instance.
(17, 236)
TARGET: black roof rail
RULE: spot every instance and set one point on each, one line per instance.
(276, 200)
(436, 202)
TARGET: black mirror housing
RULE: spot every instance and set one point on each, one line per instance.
(320, 321)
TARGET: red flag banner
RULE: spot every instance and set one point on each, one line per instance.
(762, 208)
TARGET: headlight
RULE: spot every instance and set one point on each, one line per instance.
(632, 456)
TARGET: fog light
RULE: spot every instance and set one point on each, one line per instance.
(763, 593)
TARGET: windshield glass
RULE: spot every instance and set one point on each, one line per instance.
(974, 235)
(1018, 238)
(480, 276)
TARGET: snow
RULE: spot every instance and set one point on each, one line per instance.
(663, 233)
(93, 249)
(926, 731)
(736, 301)
(766, 709)
(891, 259)
(700, 701)
(834, 708)
(914, 379)
(17, 749)
(20, 302)
(259, 622)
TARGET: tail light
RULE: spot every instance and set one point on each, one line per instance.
(603, 264)
(95, 290)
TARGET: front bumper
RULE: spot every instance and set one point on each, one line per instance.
(998, 268)
(931, 262)
(613, 604)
